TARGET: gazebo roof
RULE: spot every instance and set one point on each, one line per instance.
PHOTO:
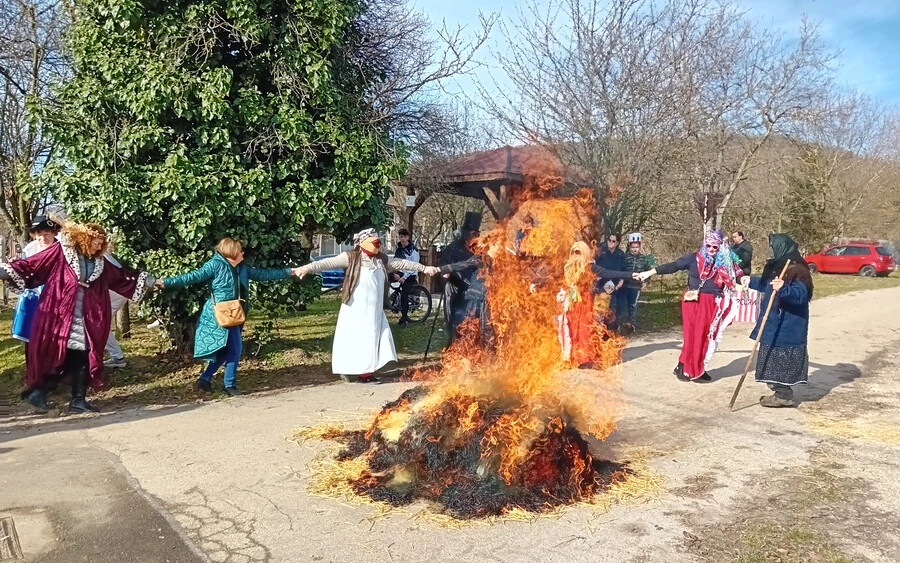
(468, 174)
(478, 174)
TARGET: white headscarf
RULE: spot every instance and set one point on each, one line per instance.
(363, 235)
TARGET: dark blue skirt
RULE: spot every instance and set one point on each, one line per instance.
(787, 365)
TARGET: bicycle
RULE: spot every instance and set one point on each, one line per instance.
(419, 302)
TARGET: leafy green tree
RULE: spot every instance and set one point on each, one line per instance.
(186, 121)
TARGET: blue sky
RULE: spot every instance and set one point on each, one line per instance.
(866, 32)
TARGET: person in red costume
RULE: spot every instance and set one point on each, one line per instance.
(73, 316)
(706, 307)
(363, 342)
(577, 329)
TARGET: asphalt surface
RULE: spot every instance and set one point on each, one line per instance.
(222, 481)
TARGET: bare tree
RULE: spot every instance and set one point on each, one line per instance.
(741, 85)
(588, 84)
(439, 213)
(31, 61)
(654, 99)
(405, 67)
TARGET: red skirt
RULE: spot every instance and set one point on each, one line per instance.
(577, 331)
(697, 318)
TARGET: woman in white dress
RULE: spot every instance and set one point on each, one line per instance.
(363, 342)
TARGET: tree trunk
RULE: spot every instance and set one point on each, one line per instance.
(3, 244)
(123, 321)
(181, 332)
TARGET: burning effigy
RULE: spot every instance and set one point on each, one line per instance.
(504, 423)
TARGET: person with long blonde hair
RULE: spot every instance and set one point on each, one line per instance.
(577, 329)
(73, 317)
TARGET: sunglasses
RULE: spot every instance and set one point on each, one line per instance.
(613, 240)
(712, 246)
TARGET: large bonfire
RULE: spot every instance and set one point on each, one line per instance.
(502, 425)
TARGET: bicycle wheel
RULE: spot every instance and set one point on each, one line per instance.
(419, 304)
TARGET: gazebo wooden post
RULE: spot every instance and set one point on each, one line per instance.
(411, 214)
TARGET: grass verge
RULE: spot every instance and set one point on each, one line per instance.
(296, 353)
(660, 304)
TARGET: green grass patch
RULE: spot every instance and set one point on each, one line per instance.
(659, 307)
(293, 351)
(769, 542)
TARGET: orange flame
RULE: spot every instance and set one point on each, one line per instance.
(542, 327)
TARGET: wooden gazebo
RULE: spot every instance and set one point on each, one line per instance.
(485, 175)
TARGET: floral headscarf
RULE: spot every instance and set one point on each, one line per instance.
(725, 260)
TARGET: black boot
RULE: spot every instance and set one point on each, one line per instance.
(704, 378)
(79, 404)
(38, 400)
(679, 372)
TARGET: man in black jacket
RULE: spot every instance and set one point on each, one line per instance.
(610, 258)
(744, 250)
(464, 291)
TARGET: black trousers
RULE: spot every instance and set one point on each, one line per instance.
(405, 287)
(75, 366)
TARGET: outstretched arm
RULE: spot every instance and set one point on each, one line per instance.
(342, 261)
(128, 283)
(602, 272)
(472, 263)
(33, 271)
(405, 265)
(268, 274)
(204, 274)
(681, 263)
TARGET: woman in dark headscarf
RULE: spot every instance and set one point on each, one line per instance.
(783, 360)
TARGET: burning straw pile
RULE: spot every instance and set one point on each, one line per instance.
(500, 427)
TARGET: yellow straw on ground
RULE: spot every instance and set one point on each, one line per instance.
(876, 430)
(332, 479)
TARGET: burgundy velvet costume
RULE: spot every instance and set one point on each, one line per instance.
(56, 268)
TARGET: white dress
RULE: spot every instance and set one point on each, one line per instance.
(363, 342)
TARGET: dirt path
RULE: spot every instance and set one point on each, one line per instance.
(817, 483)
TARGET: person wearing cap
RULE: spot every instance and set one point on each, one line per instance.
(73, 315)
(635, 261)
(363, 342)
(43, 233)
(464, 291)
(706, 306)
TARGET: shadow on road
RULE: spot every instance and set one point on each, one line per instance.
(823, 378)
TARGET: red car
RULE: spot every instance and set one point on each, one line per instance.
(863, 258)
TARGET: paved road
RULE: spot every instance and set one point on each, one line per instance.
(221, 480)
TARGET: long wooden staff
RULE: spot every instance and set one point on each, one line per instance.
(762, 326)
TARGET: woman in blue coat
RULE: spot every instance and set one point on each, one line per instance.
(228, 278)
(783, 360)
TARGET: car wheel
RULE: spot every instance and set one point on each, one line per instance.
(867, 271)
(813, 269)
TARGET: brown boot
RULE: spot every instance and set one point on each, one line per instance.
(775, 402)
